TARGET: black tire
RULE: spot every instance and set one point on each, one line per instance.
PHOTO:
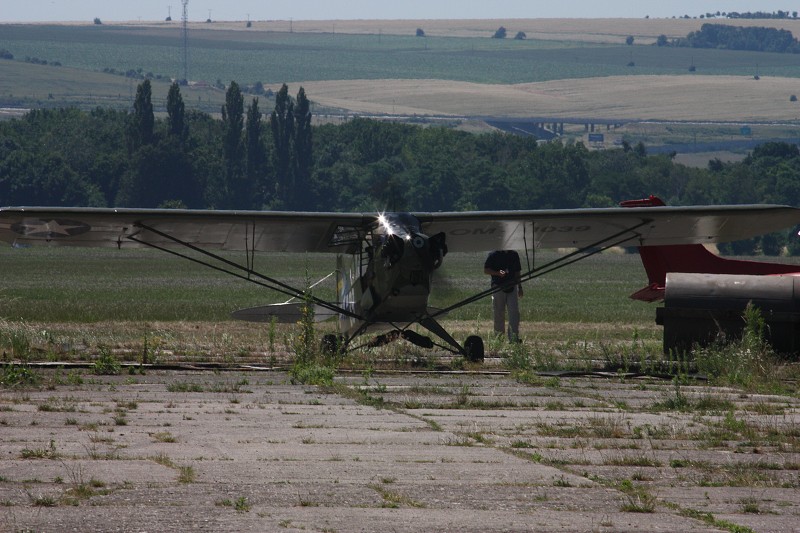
(473, 348)
(330, 344)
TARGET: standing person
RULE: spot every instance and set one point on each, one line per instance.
(504, 268)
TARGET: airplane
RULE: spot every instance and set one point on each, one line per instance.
(658, 261)
(386, 261)
(705, 295)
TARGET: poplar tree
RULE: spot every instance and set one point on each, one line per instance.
(302, 145)
(142, 120)
(176, 112)
(282, 125)
(232, 125)
(255, 153)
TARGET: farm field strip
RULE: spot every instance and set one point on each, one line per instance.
(437, 75)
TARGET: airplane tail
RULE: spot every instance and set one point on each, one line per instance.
(691, 258)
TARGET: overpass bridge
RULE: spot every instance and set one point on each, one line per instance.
(550, 127)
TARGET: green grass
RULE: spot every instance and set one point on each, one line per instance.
(69, 302)
(317, 56)
(593, 291)
(28, 85)
(92, 285)
(98, 284)
(275, 57)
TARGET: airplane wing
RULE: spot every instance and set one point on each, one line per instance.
(334, 232)
(579, 228)
(210, 230)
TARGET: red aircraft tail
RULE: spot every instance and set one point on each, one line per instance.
(693, 258)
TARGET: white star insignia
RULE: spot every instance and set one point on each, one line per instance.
(53, 227)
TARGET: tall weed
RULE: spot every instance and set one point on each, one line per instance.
(15, 341)
(748, 362)
(311, 366)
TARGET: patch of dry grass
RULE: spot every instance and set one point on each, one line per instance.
(610, 30)
(625, 97)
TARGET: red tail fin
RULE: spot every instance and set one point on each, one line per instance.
(694, 258)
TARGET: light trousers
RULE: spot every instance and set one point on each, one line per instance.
(500, 302)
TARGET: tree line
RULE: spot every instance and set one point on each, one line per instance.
(245, 159)
(723, 36)
(779, 14)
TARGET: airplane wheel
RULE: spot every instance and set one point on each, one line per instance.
(330, 344)
(474, 348)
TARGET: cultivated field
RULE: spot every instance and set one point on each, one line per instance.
(607, 31)
(354, 66)
(680, 98)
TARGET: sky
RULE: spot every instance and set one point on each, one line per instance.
(200, 10)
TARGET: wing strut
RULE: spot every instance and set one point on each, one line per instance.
(573, 257)
(266, 281)
(525, 243)
(250, 247)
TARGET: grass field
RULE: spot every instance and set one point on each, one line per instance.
(88, 298)
(665, 98)
(606, 30)
(72, 285)
(273, 57)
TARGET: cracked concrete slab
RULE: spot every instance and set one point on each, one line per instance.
(250, 451)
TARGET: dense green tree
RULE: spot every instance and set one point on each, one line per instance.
(157, 174)
(282, 127)
(176, 111)
(232, 145)
(256, 159)
(301, 146)
(431, 172)
(754, 38)
(43, 179)
(94, 145)
(142, 120)
(72, 157)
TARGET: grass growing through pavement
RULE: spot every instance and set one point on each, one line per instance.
(18, 375)
(311, 366)
(748, 362)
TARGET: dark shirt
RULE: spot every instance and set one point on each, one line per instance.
(507, 260)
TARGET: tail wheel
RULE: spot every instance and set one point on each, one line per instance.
(473, 348)
(330, 344)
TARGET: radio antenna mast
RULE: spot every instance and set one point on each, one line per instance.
(185, 40)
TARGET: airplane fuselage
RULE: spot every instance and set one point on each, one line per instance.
(389, 281)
